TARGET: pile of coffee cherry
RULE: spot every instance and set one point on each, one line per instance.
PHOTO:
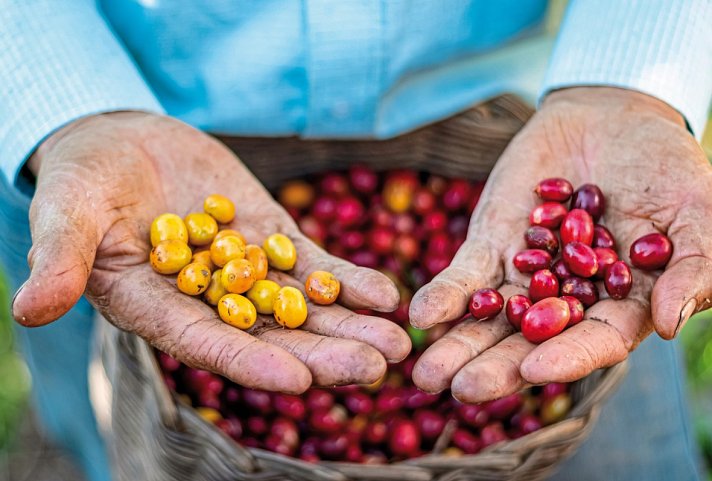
(408, 225)
(560, 289)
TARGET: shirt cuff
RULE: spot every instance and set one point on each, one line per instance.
(58, 64)
(662, 48)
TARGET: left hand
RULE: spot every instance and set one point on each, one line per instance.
(655, 178)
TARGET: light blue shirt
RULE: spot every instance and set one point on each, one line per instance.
(327, 68)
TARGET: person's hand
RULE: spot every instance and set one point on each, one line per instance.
(100, 183)
(655, 178)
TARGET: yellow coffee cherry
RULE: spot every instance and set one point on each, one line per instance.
(225, 249)
(281, 252)
(202, 228)
(209, 414)
(290, 307)
(168, 227)
(215, 289)
(237, 311)
(220, 207)
(227, 232)
(263, 294)
(193, 279)
(258, 258)
(322, 287)
(238, 276)
(204, 258)
(170, 256)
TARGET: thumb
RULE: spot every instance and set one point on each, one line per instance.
(65, 237)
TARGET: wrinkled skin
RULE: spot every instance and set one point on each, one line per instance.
(100, 182)
(655, 178)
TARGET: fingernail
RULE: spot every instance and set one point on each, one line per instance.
(17, 293)
(687, 311)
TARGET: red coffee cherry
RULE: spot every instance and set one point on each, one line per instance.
(651, 252)
(538, 237)
(575, 308)
(577, 226)
(560, 270)
(516, 307)
(545, 319)
(582, 289)
(549, 214)
(580, 259)
(542, 285)
(618, 280)
(531, 260)
(554, 189)
(605, 257)
(589, 198)
(486, 303)
(602, 237)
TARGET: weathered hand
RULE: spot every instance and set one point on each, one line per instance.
(655, 178)
(100, 182)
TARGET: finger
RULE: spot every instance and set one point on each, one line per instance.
(361, 288)
(65, 236)
(476, 265)
(439, 364)
(337, 321)
(686, 285)
(608, 332)
(493, 374)
(332, 361)
(148, 304)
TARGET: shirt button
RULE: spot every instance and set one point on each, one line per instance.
(340, 109)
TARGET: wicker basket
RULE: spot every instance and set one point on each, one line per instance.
(153, 437)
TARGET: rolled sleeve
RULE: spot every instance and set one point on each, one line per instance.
(659, 47)
(59, 61)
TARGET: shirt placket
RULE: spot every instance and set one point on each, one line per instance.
(344, 65)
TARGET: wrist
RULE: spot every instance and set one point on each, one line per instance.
(612, 99)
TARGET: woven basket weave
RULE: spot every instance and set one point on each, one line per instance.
(152, 437)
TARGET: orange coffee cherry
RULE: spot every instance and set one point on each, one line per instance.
(215, 289)
(220, 207)
(170, 256)
(281, 252)
(225, 249)
(204, 258)
(237, 276)
(237, 311)
(168, 227)
(193, 279)
(322, 287)
(258, 257)
(297, 194)
(290, 307)
(227, 232)
(263, 294)
(202, 228)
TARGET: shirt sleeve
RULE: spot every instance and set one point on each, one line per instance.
(59, 61)
(659, 47)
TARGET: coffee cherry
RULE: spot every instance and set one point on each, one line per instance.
(605, 257)
(466, 441)
(602, 237)
(237, 311)
(398, 191)
(227, 232)
(555, 189)
(580, 259)
(238, 276)
(258, 258)
(504, 407)
(651, 252)
(560, 270)
(577, 226)
(589, 198)
(516, 307)
(202, 228)
(473, 415)
(363, 179)
(219, 207)
(289, 406)
(575, 309)
(290, 307)
(531, 260)
(545, 319)
(582, 289)
(168, 227)
(549, 215)
(349, 211)
(193, 279)
(555, 409)
(424, 201)
(328, 420)
(618, 280)
(543, 284)
(322, 287)
(358, 403)
(486, 303)
(405, 439)
(226, 249)
(203, 257)
(538, 237)
(280, 251)
(262, 294)
(296, 194)
(170, 256)
(215, 290)
(324, 209)
(493, 433)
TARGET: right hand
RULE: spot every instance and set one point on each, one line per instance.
(100, 182)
